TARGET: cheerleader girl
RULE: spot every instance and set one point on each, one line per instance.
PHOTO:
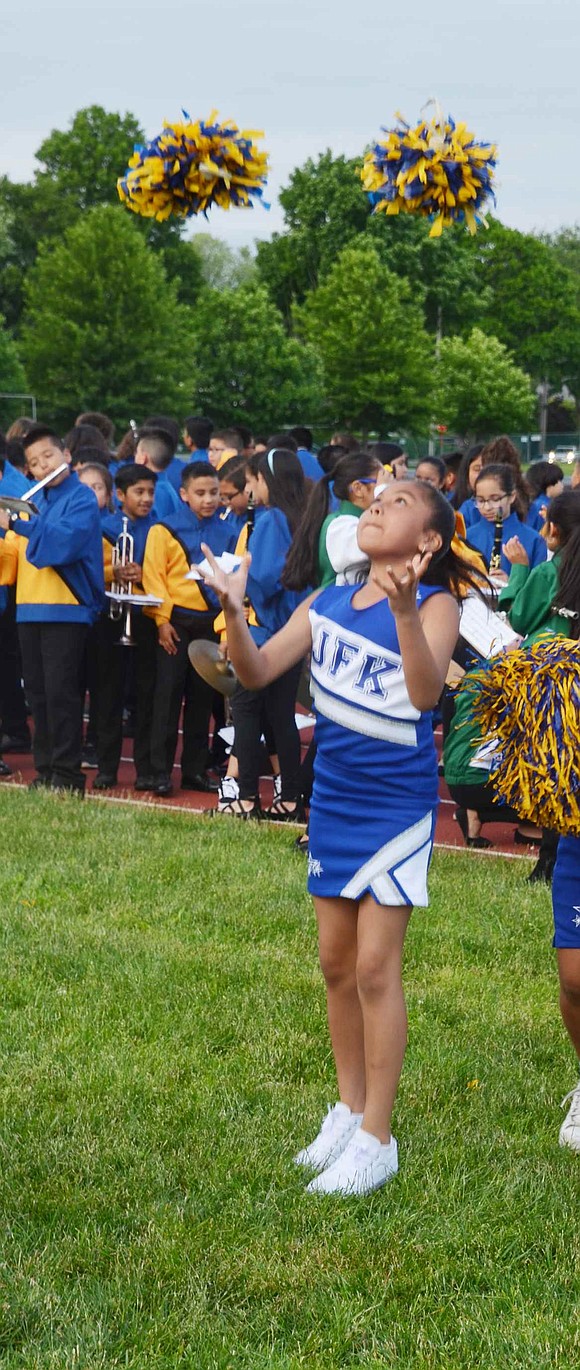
(495, 496)
(380, 655)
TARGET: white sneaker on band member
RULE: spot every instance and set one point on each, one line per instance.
(335, 1133)
(365, 1165)
(570, 1129)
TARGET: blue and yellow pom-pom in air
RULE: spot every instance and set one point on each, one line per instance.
(529, 702)
(436, 170)
(191, 166)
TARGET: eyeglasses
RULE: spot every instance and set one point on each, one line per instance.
(493, 500)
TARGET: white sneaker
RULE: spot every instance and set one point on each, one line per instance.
(335, 1133)
(365, 1164)
(570, 1129)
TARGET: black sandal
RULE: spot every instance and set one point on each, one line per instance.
(301, 844)
(478, 843)
(280, 813)
(233, 808)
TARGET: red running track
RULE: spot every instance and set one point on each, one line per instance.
(447, 831)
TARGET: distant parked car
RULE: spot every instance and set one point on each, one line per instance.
(559, 454)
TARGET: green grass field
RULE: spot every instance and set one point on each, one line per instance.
(164, 1052)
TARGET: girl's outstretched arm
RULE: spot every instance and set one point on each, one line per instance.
(256, 666)
(427, 636)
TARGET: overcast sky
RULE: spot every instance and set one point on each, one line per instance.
(313, 74)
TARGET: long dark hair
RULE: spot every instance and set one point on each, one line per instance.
(446, 567)
(283, 474)
(301, 568)
(540, 476)
(564, 513)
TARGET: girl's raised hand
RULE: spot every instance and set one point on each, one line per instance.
(516, 552)
(230, 589)
(401, 591)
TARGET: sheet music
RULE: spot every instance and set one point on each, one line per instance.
(228, 562)
(485, 631)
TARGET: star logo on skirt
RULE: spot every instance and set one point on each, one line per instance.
(314, 866)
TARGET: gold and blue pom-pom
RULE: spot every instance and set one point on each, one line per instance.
(528, 701)
(191, 166)
(436, 170)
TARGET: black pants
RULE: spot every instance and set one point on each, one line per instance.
(278, 701)
(52, 655)
(485, 801)
(114, 665)
(176, 682)
(13, 718)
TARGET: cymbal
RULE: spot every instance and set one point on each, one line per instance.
(207, 660)
(17, 506)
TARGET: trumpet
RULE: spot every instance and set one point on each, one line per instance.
(123, 554)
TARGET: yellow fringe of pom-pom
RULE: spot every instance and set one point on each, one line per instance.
(529, 702)
(436, 170)
(191, 166)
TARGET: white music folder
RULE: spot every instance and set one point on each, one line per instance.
(486, 632)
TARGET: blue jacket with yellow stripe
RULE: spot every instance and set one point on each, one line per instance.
(56, 557)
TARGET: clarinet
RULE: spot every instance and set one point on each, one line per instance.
(250, 520)
(495, 559)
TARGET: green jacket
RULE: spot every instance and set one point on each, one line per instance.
(331, 565)
(528, 598)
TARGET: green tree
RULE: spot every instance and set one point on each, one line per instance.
(78, 170)
(534, 308)
(325, 208)
(222, 267)
(12, 378)
(368, 328)
(247, 368)
(103, 328)
(479, 389)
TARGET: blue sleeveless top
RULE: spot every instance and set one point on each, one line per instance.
(365, 722)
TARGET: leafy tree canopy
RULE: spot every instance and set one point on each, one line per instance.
(246, 367)
(479, 389)
(78, 170)
(102, 327)
(368, 329)
(534, 308)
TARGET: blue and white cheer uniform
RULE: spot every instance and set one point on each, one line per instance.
(374, 801)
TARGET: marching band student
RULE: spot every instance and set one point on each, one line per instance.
(135, 487)
(380, 655)
(186, 613)
(309, 463)
(465, 485)
(224, 445)
(56, 561)
(324, 549)
(544, 480)
(14, 731)
(156, 450)
(278, 486)
(234, 492)
(98, 478)
(495, 495)
(100, 481)
(196, 437)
